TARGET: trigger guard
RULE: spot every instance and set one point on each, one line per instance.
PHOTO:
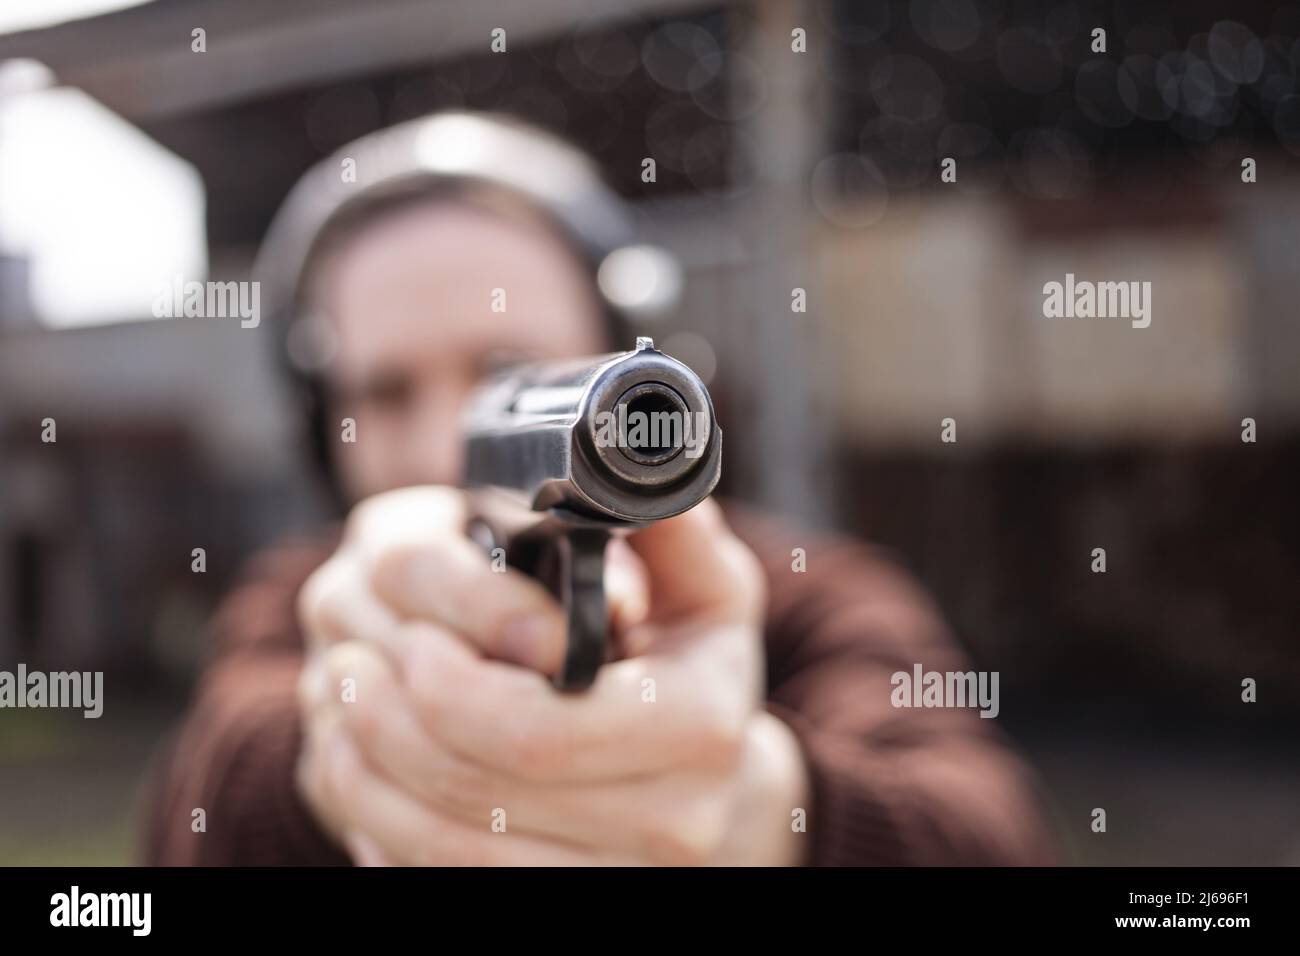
(581, 579)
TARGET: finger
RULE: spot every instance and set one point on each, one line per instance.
(417, 560)
(642, 714)
(336, 604)
(364, 851)
(310, 781)
(697, 565)
(313, 689)
(407, 514)
(406, 831)
(383, 722)
(673, 818)
(318, 694)
(627, 595)
(449, 581)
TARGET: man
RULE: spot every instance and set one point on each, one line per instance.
(381, 696)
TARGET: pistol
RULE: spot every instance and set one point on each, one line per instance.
(562, 455)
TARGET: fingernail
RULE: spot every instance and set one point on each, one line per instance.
(529, 639)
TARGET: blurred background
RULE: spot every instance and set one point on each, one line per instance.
(126, 158)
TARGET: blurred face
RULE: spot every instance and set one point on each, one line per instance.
(412, 302)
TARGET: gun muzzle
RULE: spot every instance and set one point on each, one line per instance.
(624, 438)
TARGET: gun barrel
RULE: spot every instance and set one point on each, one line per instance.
(626, 437)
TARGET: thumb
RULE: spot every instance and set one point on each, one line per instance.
(698, 566)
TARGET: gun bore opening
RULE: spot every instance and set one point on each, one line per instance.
(652, 423)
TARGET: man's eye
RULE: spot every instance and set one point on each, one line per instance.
(386, 393)
(499, 360)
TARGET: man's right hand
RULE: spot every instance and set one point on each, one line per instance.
(443, 731)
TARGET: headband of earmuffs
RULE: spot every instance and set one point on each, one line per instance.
(422, 158)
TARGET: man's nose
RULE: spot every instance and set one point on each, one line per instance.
(436, 447)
